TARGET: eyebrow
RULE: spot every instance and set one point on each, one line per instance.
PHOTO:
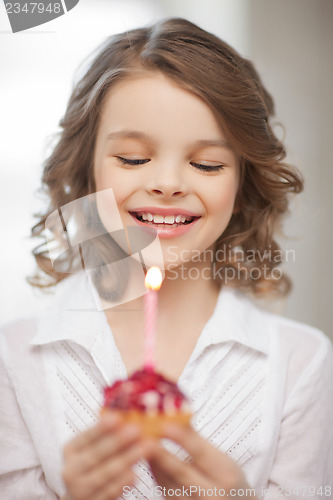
(129, 134)
(219, 143)
(135, 134)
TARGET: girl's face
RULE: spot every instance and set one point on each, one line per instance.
(160, 149)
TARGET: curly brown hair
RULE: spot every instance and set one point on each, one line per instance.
(205, 65)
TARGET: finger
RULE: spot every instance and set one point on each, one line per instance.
(114, 467)
(212, 462)
(115, 489)
(175, 472)
(161, 477)
(109, 418)
(107, 424)
(84, 459)
(203, 454)
(112, 444)
(107, 473)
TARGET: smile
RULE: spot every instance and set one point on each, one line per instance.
(166, 224)
(166, 219)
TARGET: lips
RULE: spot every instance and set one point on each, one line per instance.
(168, 222)
(149, 218)
(164, 216)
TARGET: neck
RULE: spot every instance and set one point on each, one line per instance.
(186, 301)
(186, 290)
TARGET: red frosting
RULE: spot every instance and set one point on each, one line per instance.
(146, 390)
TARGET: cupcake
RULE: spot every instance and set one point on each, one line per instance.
(149, 399)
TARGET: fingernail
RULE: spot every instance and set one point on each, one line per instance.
(131, 430)
(170, 428)
(109, 418)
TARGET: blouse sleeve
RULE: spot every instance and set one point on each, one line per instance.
(21, 475)
(303, 465)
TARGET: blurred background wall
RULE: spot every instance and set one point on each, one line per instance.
(291, 44)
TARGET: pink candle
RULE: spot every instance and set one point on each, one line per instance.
(153, 282)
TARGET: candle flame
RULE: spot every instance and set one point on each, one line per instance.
(153, 280)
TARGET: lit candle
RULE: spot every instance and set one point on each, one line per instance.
(153, 283)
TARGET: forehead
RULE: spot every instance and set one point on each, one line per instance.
(154, 104)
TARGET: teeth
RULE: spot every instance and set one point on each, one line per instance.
(158, 219)
(169, 219)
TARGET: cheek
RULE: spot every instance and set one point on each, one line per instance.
(221, 202)
(107, 178)
(111, 192)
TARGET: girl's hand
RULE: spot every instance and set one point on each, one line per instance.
(98, 462)
(210, 469)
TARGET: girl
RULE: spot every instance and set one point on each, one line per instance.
(166, 153)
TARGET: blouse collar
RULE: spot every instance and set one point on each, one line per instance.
(76, 317)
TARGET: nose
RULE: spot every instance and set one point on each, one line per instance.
(167, 181)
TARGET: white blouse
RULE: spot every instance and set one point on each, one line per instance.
(261, 389)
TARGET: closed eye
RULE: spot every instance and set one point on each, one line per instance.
(143, 161)
(128, 161)
(207, 168)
